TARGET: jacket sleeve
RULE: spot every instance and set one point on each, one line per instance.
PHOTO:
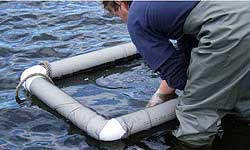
(174, 70)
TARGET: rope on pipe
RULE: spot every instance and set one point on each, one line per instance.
(47, 66)
(47, 76)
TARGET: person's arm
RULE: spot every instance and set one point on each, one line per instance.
(174, 76)
(151, 40)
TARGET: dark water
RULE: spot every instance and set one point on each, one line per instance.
(31, 32)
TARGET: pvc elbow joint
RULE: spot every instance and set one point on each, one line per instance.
(112, 131)
(30, 71)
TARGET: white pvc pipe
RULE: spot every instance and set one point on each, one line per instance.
(112, 131)
(30, 71)
(94, 124)
(86, 119)
(92, 59)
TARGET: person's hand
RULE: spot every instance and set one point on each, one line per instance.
(160, 97)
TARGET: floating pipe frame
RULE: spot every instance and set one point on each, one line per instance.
(83, 117)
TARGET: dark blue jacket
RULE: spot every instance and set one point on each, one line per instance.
(151, 24)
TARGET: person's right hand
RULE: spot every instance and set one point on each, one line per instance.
(160, 97)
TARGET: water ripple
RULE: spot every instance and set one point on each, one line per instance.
(34, 31)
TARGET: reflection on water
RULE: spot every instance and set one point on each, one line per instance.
(115, 90)
(31, 32)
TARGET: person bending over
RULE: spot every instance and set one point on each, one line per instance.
(210, 64)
